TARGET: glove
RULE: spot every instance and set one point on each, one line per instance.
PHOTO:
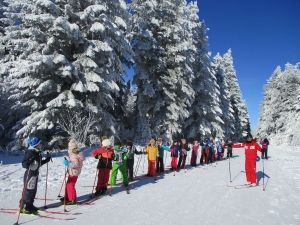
(126, 156)
(67, 163)
(48, 159)
(257, 159)
(98, 156)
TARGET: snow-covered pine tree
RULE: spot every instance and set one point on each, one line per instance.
(127, 110)
(204, 119)
(241, 116)
(163, 73)
(224, 97)
(280, 109)
(66, 54)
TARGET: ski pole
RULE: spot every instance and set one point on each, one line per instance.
(138, 165)
(97, 171)
(65, 182)
(263, 175)
(45, 207)
(23, 195)
(62, 183)
(144, 161)
(229, 170)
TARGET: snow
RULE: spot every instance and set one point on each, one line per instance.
(199, 196)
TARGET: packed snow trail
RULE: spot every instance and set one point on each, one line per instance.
(199, 196)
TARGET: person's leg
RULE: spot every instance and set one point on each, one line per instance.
(266, 154)
(161, 163)
(179, 162)
(114, 174)
(122, 169)
(152, 170)
(183, 161)
(100, 179)
(31, 189)
(157, 165)
(105, 179)
(71, 191)
(130, 168)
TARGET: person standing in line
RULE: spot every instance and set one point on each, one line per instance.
(264, 153)
(32, 162)
(219, 150)
(182, 158)
(131, 150)
(204, 151)
(122, 155)
(175, 151)
(229, 149)
(74, 169)
(196, 148)
(160, 160)
(105, 155)
(251, 147)
(223, 147)
(152, 152)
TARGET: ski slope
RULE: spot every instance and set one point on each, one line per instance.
(197, 196)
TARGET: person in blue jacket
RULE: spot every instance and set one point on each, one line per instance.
(160, 160)
(32, 162)
(175, 151)
(205, 151)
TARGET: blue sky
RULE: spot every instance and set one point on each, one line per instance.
(262, 35)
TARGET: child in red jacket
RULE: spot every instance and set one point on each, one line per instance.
(105, 154)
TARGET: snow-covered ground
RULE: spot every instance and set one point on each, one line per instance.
(199, 196)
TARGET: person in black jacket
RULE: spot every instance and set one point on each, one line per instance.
(182, 158)
(229, 149)
(131, 150)
(32, 162)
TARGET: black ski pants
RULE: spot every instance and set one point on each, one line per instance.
(31, 188)
(129, 168)
(264, 153)
(181, 162)
(160, 165)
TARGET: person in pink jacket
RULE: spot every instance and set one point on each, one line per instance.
(74, 165)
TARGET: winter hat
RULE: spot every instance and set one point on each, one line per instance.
(249, 136)
(117, 142)
(72, 145)
(34, 141)
(129, 143)
(152, 141)
(106, 142)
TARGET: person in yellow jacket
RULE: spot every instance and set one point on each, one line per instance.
(152, 151)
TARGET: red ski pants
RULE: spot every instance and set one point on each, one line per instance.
(151, 167)
(250, 168)
(174, 163)
(103, 177)
(71, 191)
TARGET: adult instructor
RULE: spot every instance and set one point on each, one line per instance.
(251, 147)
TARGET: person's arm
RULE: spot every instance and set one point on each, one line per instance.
(165, 147)
(257, 147)
(238, 145)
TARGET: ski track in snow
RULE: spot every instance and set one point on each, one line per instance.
(199, 196)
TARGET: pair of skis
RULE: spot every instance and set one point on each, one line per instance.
(37, 214)
(241, 186)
